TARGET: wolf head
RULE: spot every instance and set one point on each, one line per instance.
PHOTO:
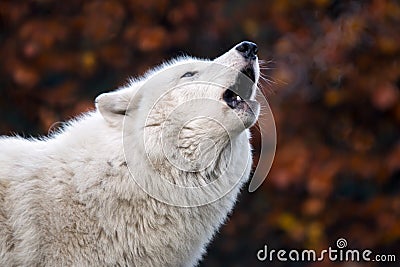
(223, 89)
(187, 111)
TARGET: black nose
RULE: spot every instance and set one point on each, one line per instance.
(247, 49)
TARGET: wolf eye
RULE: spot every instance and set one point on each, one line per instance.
(189, 74)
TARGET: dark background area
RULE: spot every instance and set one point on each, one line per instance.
(335, 72)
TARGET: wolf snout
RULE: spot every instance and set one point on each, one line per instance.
(247, 49)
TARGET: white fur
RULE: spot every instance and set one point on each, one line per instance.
(70, 200)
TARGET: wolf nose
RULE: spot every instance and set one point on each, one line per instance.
(247, 49)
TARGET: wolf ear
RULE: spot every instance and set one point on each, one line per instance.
(115, 105)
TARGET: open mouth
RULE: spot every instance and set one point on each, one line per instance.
(236, 94)
(232, 99)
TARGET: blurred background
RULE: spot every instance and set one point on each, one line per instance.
(334, 68)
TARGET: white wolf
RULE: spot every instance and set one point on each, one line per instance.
(145, 180)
